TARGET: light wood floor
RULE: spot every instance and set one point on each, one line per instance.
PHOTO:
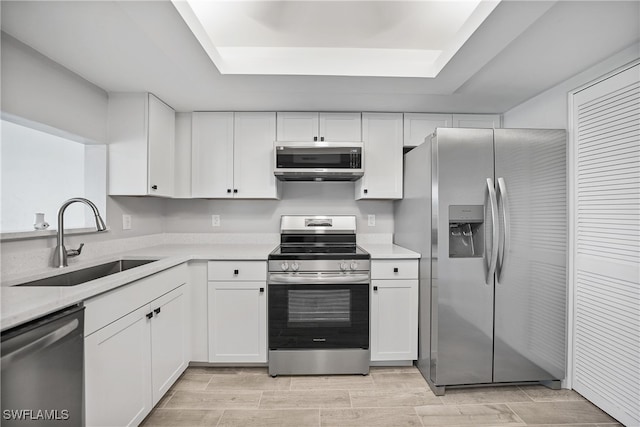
(386, 397)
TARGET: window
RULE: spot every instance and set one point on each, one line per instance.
(40, 170)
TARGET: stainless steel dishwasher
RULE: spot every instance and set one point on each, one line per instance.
(43, 371)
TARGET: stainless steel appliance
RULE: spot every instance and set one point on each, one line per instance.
(318, 161)
(43, 371)
(487, 209)
(318, 298)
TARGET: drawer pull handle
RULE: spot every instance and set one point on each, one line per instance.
(157, 310)
(395, 269)
(236, 272)
(150, 315)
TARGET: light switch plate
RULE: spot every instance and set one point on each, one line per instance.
(215, 220)
(371, 220)
(126, 222)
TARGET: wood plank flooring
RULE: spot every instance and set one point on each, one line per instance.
(386, 397)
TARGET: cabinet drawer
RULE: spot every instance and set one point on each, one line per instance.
(394, 269)
(237, 270)
(108, 307)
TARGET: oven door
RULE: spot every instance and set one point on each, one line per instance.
(318, 315)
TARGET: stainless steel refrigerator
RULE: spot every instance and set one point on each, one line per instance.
(487, 209)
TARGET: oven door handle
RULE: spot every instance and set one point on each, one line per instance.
(317, 279)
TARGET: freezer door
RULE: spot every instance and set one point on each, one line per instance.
(463, 208)
(531, 285)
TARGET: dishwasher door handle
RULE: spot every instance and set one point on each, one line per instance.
(42, 342)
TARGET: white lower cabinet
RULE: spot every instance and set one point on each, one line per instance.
(394, 315)
(237, 312)
(117, 374)
(131, 361)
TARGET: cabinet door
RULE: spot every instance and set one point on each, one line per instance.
(297, 126)
(212, 155)
(481, 121)
(382, 136)
(161, 139)
(253, 156)
(117, 374)
(169, 328)
(237, 322)
(340, 127)
(394, 320)
(418, 126)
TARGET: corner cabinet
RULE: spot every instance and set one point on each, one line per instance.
(232, 155)
(310, 126)
(136, 347)
(237, 311)
(141, 145)
(394, 310)
(382, 137)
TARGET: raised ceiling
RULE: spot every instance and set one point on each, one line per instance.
(333, 38)
(520, 50)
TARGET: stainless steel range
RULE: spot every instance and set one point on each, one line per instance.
(318, 298)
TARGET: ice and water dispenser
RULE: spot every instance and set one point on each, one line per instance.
(466, 231)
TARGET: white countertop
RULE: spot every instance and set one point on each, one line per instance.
(21, 304)
(389, 251)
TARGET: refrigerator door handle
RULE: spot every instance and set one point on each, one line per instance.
(495, 234)
(503, 249)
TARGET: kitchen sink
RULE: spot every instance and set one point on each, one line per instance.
(79, 277)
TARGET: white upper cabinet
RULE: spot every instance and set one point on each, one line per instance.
(232, 155)
(382, 136)
(418, 126)
(483, 121)
(141, 145)
(212, 155)
(311, 126)
(253, 158)
(340, 127)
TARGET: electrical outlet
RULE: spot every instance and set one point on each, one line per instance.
(371, 220)
(215, 220)
(126, 222)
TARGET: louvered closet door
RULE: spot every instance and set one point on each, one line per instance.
(606, 361)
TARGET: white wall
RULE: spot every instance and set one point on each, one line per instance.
(39, 89)
(549, 109)
(263, 216)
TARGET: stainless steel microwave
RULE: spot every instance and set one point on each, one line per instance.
(318, 161)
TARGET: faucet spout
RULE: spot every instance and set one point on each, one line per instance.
(61, 253)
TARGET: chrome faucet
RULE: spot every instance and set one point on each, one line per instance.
(61, 253)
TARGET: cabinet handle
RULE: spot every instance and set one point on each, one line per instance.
(322, 138)
(154, 187)
(157, 310)
(395, 269)
(261, 290)
(375, 288)
(228, 190)
(366, 191)
(236, 272)
(235, 190)
(150, 315)
(315, 138)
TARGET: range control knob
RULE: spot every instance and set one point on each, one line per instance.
(354, 265)
(295, 266)
(344, 266)
(284, 266)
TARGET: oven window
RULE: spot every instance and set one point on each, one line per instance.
(311, 308)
